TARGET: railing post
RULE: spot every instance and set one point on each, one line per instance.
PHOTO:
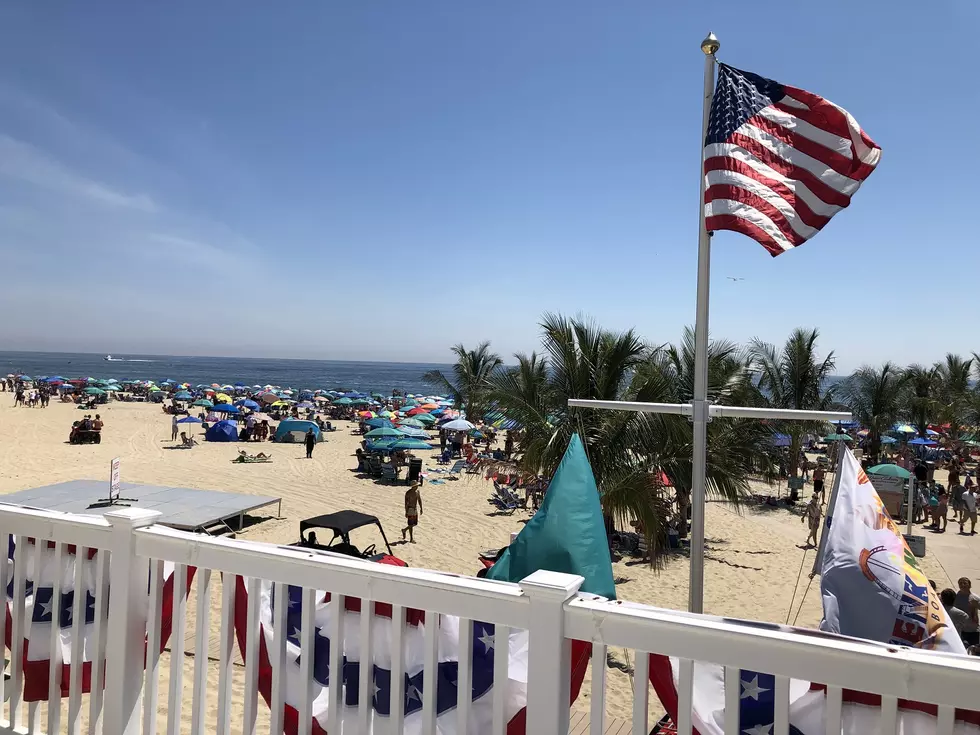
(124, 660)
(549, 654)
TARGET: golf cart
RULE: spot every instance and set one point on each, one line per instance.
(341, 524)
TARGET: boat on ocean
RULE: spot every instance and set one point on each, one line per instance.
(108, 358)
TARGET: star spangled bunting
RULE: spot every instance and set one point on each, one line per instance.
(779, 162)
(41, 568)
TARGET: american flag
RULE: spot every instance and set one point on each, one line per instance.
(42, 566)
(779, 162)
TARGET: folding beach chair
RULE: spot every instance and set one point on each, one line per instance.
(503, 501)
(388, 473)
(456, 469)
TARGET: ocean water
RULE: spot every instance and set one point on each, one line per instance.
(382, 377)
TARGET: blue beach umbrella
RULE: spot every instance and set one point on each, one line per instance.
(249, 404)
(923, 442)
(384, 431)
(190, 420)
(408, 443)
(225, 408)
(183, 395)
(412, 432)
(379, 423)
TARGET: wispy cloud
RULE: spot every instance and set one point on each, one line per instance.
(23, 162)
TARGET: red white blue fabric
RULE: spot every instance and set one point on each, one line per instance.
(486, 646)
(779, 162)
(42, 612)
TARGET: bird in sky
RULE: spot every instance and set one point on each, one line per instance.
(734, 279)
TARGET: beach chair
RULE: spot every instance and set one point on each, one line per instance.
(504, 502)
(458, 467)
(374, 466)
(388, 473)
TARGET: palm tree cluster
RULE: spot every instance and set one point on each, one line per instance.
(642, 461)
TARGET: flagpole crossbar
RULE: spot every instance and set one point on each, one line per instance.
(687, 409)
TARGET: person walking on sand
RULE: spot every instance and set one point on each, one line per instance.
(818, 475)
(310, 441)
(174, 429)
(413, 509)
(969, 500)
(812, 515)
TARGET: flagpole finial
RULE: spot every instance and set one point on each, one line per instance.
(710, 44)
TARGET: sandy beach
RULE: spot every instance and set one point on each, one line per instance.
(753, 557)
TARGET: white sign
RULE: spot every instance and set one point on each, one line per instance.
(114, 478)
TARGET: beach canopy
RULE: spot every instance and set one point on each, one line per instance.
(223, 431)
(225, 408)
(570, 510)
(294, 431)
(890, 470)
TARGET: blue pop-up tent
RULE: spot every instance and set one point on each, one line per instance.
(294, 430)
(223, 431)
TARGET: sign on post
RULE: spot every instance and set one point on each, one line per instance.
(114, 479)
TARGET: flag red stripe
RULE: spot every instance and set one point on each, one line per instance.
(737, 224)
(807, 215)
(831, 159)
(829, 112)
(861, 170)
(820, 189)
(738, 194)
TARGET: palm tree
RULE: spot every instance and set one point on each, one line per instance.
(875, 399)
(627, 450)
(795, 378)
(469, 385)
(954, 388)
(921, 406)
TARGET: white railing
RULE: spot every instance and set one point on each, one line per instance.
(216, 694)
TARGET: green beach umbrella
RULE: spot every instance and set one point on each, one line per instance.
(425, 418)
(890, 470)
(837, 438)
(412, 422)
(382, 432)
(203, 402)
(343, 402)
(95, 391)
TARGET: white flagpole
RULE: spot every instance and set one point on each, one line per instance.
(700, 400)
(829, 516)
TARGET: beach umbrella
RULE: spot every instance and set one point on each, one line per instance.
(305, 404)
(95, 391)
(464, 425)
(477, 434)
(203, 402)
(890, 470)
(407, 443)
(367, 414)
(222, 398)
(412, 422)
(415, 411)
(379, 423)
(54, 379)
(835, 438)
(225, 408)
(889, 440)
(360, 402)
(382, 432)
(904, 429)
(413, 432)
(343, 401)
(923, 442)
(425, 418)
(386, 414)
(183, 396)
(268, 398)
(249, 404)
(429, 406)
(190, 420)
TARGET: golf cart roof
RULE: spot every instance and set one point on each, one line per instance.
(342, 522)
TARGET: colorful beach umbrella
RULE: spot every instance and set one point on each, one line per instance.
(890, 470)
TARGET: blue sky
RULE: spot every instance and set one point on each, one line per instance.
(380, 180)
